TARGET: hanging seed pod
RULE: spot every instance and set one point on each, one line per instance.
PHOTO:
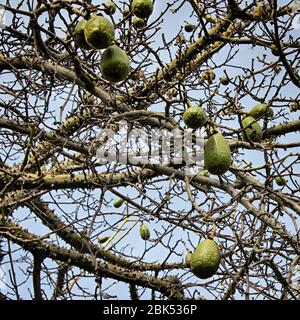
(110, 8)
(206, 259)
(280, 181)
(118, 202)
(99, 32)
(144, 232)
(189, 28)
(253, 130)
(194, 117)
(79, 35)
(114, 64)
(217, 154)
(142, 8)
(138, 23)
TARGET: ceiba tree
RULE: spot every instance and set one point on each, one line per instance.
(57, 216)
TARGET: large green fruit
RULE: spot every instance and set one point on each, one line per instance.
(217, 154)
(253, 131)
(144, 232)
(79, 35)
(110, 8)
(205, 259)
(118, 202)
(142, 8)
(194, 117)
(114, 64)
(99, 32)
(260, 110)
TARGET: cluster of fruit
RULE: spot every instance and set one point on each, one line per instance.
(144, 230)
(205, 260)
(99, 33)
(217, 154)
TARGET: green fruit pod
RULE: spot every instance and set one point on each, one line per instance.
(114, 64)
(118, 202)
(99, 32)
(144, 232)
(280, 181)
(260, 110)
(253, 130)
(142, 8)
(194, 117)
(188, 258)
(217, 154)
(79, 35)
(189, 28)
(110, 8)
(206, 259)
